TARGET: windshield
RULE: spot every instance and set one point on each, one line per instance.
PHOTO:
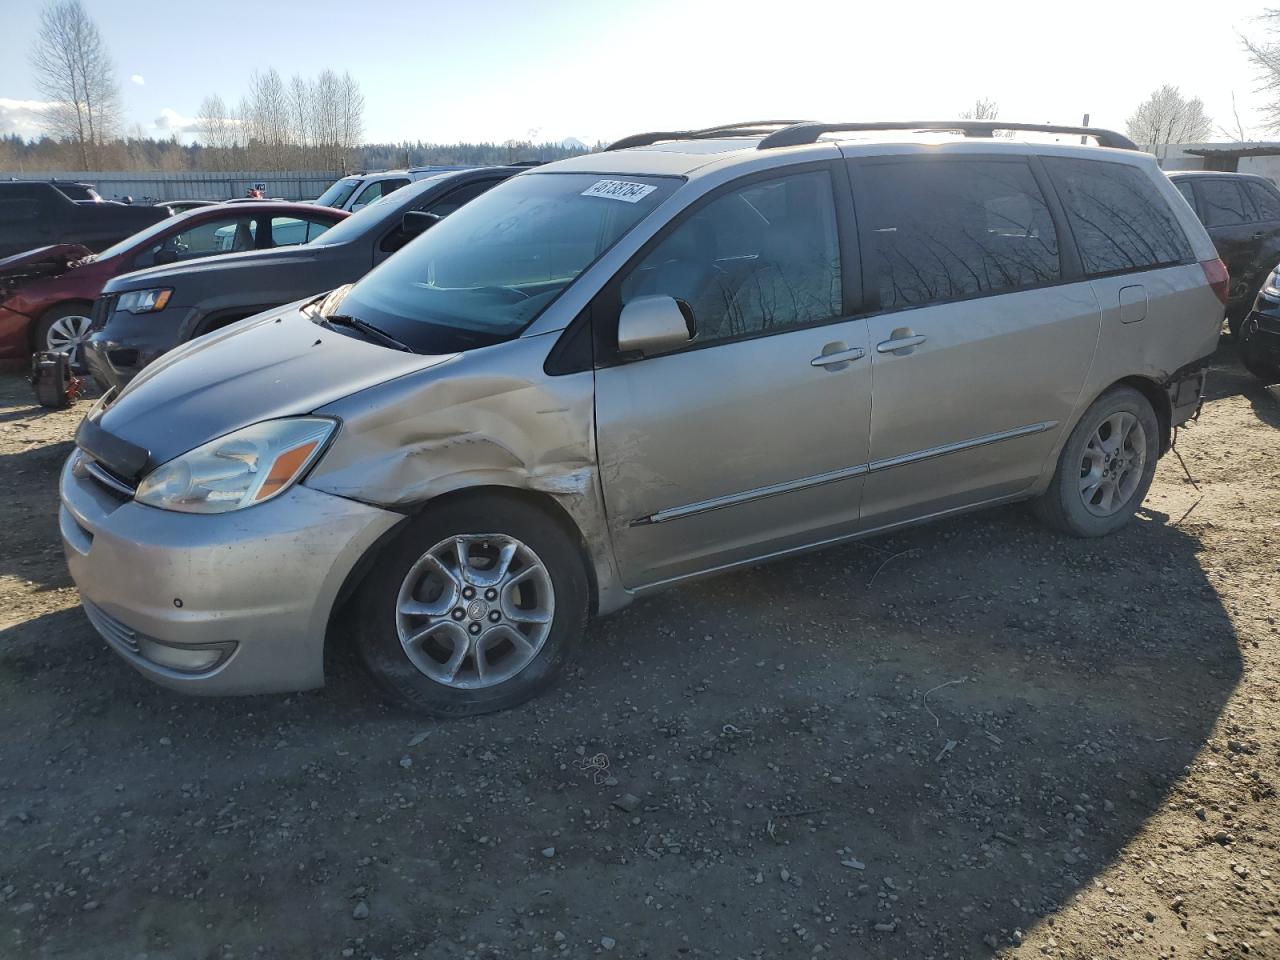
(372, 216)
(337, 194)
(485, 273)
(140, 239)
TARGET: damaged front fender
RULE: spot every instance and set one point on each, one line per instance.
(488, 418)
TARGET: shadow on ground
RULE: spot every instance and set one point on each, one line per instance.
(902, 748)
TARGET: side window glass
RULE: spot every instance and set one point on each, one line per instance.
(315, 228)
(1188, 194)
(227, 235)
(442, 207)
(1119, 219)
(458, 198)
(1266, 202)
(366, 196)
(761, 259)
(949, 229)
(290, 231)
(1224, 204)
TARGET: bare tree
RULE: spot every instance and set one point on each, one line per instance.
(1168, 117)
(1265, 57)
(1236, 132)
(982, 109)
(74, 72)
(352, 117)
(219, 131)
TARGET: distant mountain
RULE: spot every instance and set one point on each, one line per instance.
(573, 143)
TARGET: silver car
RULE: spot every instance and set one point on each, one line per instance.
(614, 373)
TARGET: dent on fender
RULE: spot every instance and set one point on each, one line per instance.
(488, 418)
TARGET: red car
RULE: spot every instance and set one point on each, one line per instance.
(46, 293)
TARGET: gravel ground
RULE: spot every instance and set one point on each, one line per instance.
(970, 738)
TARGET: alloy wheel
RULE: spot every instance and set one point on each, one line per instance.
(1112, 464)
(67, 333)
(475, 610)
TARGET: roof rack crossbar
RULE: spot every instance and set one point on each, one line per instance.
(746, 128)
(809, 131)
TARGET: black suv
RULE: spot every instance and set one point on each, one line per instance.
(39, 214)
(143, 314)
(1242, 214)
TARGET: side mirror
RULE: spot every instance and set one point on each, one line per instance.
(419, 221)
(166, 256)
(655, 324)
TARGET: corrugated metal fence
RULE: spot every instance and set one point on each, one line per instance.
(190, 185)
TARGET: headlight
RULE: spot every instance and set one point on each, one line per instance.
(1272, 287)
(144, 301)
(239, 470)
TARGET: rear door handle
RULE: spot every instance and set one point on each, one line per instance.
(840, 356)
(903, 343)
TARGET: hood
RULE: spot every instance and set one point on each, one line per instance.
(43, 261)
(170, 274)
(278, 364)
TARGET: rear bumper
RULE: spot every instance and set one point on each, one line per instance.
(1185, 388)
(224, 604)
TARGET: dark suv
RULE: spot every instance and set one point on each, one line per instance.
(38, 214)
(143, 314)
(1242, 214)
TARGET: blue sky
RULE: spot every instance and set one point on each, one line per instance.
(492, 69)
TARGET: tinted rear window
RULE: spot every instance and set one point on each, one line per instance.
(1264, 200)
(945, 229)
(1120, 220)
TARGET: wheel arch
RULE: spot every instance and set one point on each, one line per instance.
(534, 499)
(1158, 397)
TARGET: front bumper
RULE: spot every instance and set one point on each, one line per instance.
(223, 604)
(123, 343)
(1264, 329)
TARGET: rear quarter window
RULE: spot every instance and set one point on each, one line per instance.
(1120, 221)
(1265, 201)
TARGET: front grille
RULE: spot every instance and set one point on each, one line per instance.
(112, 630)
(1268, 324)
(102, 308)
(85, 467)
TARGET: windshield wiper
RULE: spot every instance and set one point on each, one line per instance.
(367, 328)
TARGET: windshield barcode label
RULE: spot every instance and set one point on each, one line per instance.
(623, 190)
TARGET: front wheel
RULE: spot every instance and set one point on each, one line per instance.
(1105, 468)
(474, 607)
(63, 329)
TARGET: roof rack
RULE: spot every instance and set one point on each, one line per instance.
(747, 128)
(810, 131)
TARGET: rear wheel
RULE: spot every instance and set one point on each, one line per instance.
(473, 608)
(1105, 468)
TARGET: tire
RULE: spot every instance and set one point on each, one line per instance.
(473, 633)
(1086, 511)
(73, 316)
(1264, 370)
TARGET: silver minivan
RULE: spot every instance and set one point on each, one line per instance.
(614, 373)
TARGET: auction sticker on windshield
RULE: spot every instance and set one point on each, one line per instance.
(624, 190)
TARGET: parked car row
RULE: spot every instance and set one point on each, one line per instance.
(54, 287)
(611, 374)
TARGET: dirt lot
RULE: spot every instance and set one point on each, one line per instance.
(1009, 742)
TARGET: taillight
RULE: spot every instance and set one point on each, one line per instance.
(1215, 271)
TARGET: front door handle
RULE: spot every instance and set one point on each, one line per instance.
(844, 355)
(900, 343)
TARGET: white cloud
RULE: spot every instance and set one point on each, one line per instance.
(171, 121)
(139, 79)
(21, 117)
